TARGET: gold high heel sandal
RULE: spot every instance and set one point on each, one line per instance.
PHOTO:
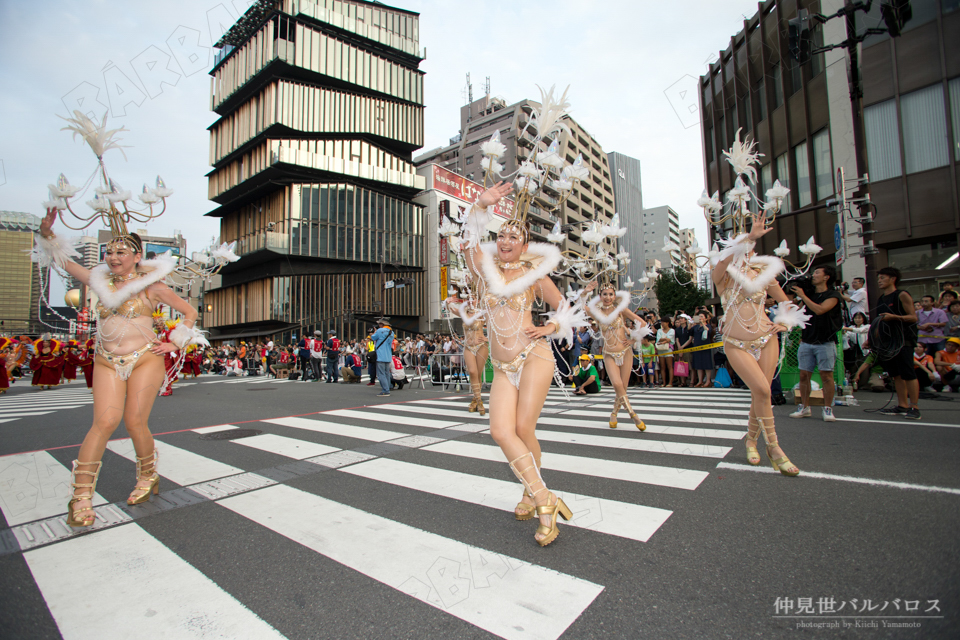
(154, 478)
(636, 419)
(613, 414)
(781, 464)
(473, 405)
(526, 508)
(73, 517)
(557, 508)
(753, 456)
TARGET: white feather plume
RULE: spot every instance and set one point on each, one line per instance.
(224, 253)
(790, 315)
(742, 157)
(98, 137)
(53, 251)
(567, 318)
(549, 117)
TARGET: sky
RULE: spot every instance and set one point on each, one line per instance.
(632, 67)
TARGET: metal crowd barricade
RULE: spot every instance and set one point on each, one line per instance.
(442, 369)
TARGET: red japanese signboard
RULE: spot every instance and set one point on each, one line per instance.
(443, 251)
(466, 190)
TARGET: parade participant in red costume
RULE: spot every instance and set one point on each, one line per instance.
(169, 358)
(70, 351)
(21, 353)
(195, 361)
(85, 362)
(5, 350)
(47, 364)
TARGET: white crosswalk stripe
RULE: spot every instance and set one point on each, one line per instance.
(432, 447)
(39, 403)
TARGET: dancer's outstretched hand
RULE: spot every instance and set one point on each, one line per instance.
(759, 228)
(46, 225)
(493, 195)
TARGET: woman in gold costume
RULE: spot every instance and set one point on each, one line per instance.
(128, 364)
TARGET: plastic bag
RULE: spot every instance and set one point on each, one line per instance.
(723, 379)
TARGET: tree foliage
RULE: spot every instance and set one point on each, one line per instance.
(676, 291)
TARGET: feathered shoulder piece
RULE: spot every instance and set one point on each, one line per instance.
(736, 247)
(623, 301)
(756, 273)
(462, 310)
(156, 270)
(543, 257)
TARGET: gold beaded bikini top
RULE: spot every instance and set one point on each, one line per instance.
(129, 309)
(742, 296)
(518, 302)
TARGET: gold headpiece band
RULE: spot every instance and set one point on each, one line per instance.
(126, 241)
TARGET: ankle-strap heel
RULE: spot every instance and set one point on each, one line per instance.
(526, 510)
(549, 533)
(142, 494)
(74, 517)
(781, 464)
(613, 414)
(753, 455)
(633, 415)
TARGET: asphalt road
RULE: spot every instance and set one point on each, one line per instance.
(353, 516)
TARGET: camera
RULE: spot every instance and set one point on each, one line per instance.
(805, 284)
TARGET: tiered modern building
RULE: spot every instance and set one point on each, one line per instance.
(801, 118)
(321, 107)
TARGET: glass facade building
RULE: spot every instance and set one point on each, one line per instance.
(321, 107)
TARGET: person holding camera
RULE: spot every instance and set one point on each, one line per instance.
(856, 297)
(818, 341)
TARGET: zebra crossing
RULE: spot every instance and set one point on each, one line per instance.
(430, 449)
(39, 403)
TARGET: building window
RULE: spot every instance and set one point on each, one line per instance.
(949, 6)
(783, 175)
(816, 61)
(710, 144)
(954, 89)
(722, 125)
(766, 178)
(922, 257)
(469, 160)
(747, 113)
(796, 77)
(734, 118)
(822, 164)
(883, 143)
(803, 173)
(762, 100)
(924, 129)
(777, 86)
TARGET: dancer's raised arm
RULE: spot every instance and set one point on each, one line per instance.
(477, 219)
(57, 253)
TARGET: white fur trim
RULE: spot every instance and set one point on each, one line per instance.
(49, 251)
(157, 269)
(593, 307)
(790, 315)
(773, 266)
(183, 335)
(567, 318)
(550, 258)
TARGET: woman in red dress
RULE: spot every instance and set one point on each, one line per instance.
(70, 361)
(47, 364)
(85, 362)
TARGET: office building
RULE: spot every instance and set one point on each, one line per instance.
(801, 116)
(20, 280)
(320, 107)
(628, 201)
(688, 239)
(591, 200)
(658, 224)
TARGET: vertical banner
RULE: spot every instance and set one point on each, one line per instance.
(443, 291)
(444, 257)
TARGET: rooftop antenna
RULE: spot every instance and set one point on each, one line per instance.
(486, 87)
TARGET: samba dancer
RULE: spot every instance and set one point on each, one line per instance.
(475, 348)
(513, 274)
(609, 310)
(128, 366)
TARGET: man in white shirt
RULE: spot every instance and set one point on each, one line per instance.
(856, 298)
